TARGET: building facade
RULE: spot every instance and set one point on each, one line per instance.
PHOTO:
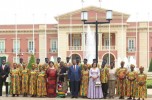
(68, 38)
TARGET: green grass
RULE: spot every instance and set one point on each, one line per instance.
(149, 83)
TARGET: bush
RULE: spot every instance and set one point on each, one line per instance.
(32, 60)
(149, 83)
(150, 66)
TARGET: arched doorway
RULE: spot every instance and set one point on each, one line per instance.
(75, 56)
(106, 57)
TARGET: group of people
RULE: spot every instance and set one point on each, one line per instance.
(85, 80)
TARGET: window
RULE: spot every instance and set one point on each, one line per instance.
(54, 44)
(131, 44)
(106, 43)
(30, 46)
(16, 46)
(14, 60)
(2, 46)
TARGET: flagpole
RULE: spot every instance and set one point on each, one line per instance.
(83, 34)
(45, 37)
(148, 42)
(100, 3)
(136, 38)
(33, 36)
(109, 44)
(58, 36)
(71, 46)
(16, 47)
(122, 29)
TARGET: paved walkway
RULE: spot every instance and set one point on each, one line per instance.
(149, 94)
(30, 98)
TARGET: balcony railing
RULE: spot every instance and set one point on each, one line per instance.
(131, 49)
(30, 50)
(2, 50)
(107, 47)
(77, 48)
(14, 50)
(53, 50)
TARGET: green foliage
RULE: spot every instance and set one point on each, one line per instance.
(32, 60)
(150, 66)
(8, 63)
(149, 83)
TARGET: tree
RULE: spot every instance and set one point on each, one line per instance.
(32, 60)
(150, 66)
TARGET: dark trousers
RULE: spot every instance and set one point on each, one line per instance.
(75, 88)
(70, 87)
(105, 89)
(3, 80)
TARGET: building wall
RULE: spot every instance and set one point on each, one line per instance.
(71, 22)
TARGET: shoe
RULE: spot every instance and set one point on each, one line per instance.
(120, 97)
(72, 97)
(76, 96)
(6, 95)
(129, 98)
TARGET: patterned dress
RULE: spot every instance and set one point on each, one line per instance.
(15, 81)
(51, 82)
(62, 81)
(121, 81)
(41, 84)
(88, 66)
(33, 82)
(104, 75)
(141, 90)
(25, 80)
(37, 67)
(84, 83)
(131, 90)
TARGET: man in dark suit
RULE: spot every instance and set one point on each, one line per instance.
(74, 76)
(4, 71)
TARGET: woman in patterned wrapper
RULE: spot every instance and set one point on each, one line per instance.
(51, 74)
(84, 81)
(62, 80)
(15, 81)
(25, 80)
(141, 84)
(121, 81)
(41, 82)
(131, 83)
(33, 81)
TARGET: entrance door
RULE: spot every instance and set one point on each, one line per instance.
(106, 57)
(76, 56)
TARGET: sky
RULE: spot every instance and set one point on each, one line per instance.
(44, 11)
